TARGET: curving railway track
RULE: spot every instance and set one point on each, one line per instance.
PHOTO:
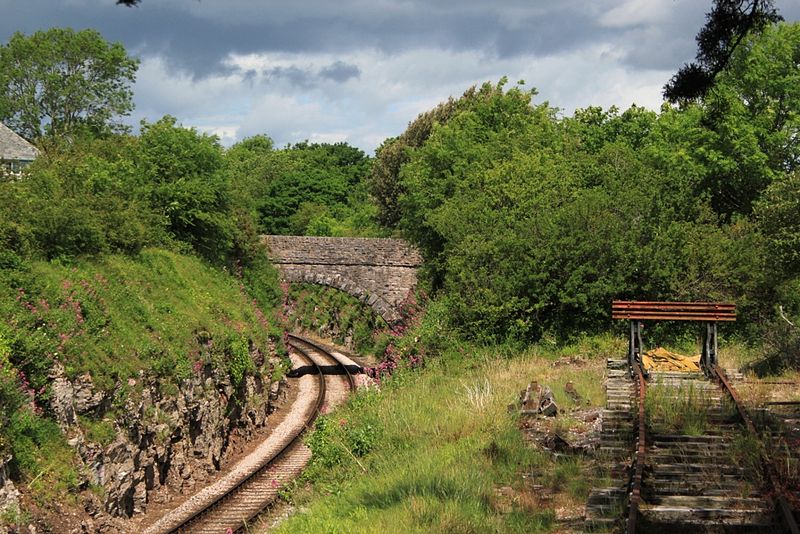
(722, 478)
(325, 379)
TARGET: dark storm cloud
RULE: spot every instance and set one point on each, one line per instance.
(306, 78)
(339, 71)
(197, 36)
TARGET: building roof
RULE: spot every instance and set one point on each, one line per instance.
(14, 147)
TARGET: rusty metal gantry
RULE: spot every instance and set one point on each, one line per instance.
(708, 312)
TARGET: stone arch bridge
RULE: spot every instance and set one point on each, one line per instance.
(379, 272)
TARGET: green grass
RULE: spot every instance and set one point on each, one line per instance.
(439, 446)
(670, 410)
(41, 453)
(162, 313)
(101, 432)
(117, 315)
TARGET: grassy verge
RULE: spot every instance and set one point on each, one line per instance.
(161, 313)
(437, 450)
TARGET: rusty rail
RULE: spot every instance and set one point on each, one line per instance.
(636, 482)
(780, 501)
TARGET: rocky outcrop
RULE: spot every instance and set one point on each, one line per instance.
(71, 398)
(9, 495)
(168, 438)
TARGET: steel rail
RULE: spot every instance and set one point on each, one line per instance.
(638, 468)
(780, 501)
(219, 501)
(316, 346)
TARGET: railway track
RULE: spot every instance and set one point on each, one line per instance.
(325, 379)
(778, 423)
(713, 475)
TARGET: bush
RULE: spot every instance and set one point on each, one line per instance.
(239, 361)
(183, 171)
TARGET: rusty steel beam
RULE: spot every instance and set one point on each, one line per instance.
(669, 305)
(673, 311)
(636, 483)
(781, 503)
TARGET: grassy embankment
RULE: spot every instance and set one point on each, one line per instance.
(437, 450)
(113, 317)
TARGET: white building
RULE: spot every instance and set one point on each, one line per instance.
(15, 152)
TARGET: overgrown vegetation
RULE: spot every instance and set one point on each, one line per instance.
(676, 410)
(436, 450)
(337, 316)
(122, 254)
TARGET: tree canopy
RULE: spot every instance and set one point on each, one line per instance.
(530, 223)
(58, 82)
(727, 24)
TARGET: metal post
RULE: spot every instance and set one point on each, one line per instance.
(708, 360)
(634, 346)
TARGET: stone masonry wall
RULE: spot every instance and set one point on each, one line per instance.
(380, 272)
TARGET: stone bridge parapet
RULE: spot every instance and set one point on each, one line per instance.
(379, 272)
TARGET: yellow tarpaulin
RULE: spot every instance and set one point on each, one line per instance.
(660, 359)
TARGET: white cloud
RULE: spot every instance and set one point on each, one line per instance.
(390, 91)
(161, 90)
(636, 12)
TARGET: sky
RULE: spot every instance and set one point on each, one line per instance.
(359, 71)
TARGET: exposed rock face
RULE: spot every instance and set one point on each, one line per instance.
(167, 437)
(9, 495)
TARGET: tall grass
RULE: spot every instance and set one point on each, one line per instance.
(671, 410)
(446, 454)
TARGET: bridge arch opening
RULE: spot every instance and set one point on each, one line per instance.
(379, 305)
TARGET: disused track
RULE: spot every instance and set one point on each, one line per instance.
(779, 494)
(686, 483)
(635, 496)
(326, 380)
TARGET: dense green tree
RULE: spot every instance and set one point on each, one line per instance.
(530, 224)
(250, 166)
(592, 128)
(84, 198)
(182, 169)
(778, 214)
(754, 115)
(727, 24)
(60, 81)
(384, 181)
(317, 189)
